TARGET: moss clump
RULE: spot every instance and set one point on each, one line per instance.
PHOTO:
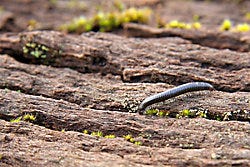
(98, 134)
(242, 27)
(16, 120)
(196, 18)
(151, 112)
(157, 112)
(26, 117)
(218, 118)
(138, 143)
(36, 50)
(29, 117)
(192, 113)
(107, 21)
(183, 25)
(226, 25)
(33, 24)
(196, 25)
(130, 138)
(85, 131)
(110, 136)
(247, 16)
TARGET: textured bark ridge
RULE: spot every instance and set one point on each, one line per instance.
(213, 39)
(157, 60)
(72, 100)
(84, 82)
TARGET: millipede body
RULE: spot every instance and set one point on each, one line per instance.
(188, 87)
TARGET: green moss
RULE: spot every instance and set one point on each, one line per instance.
(151, 111)
(156, 112)
(196, 18)
(107, 21)
(183, 25)
(132, 140)
(226, 25)
(35, 50)
(98, 134)
(192, 113)
(85, 131)
(218, 118)
(16, 120)
(138, 143)
(26, 117)
(29, 117)
(247, 16)
(127, 137)
(196, 25)
(110, 136)
(242, 27)
(119, 5)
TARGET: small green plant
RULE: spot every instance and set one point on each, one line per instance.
(247, 16)
(196, 18)
(138, 143)
(132, 140)
(218, 118)
(183, 25)
(226, 25)
(152, 111)
(196, 25)
(192, 113)
(184, 113)
(107, 21)
(63, 130)
(33, 24)
(98, 134)
(85, 131)
(16, 120)
(242, 27)
(36, 50)
(110, 136)
(157, 112)
(28, 117)
(127, 137)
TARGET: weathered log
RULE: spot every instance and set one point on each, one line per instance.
(189, 141)
(133, 59)
(213, 39)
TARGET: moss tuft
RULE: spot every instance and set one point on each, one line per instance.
(107, 21)
(226, 25)
(110, 136)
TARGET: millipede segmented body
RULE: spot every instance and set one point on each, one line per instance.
(188, 87)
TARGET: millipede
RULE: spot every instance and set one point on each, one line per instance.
(176, 91)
